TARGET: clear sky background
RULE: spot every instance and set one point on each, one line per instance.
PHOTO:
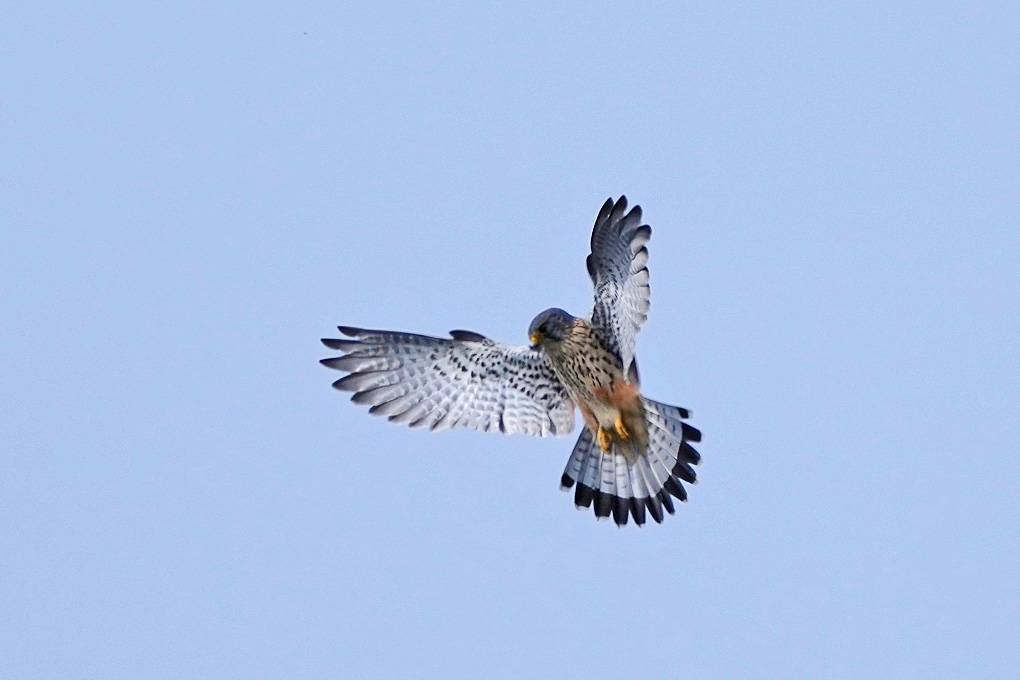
(192, 195)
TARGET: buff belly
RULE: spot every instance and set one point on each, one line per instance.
(616, 416)
(593, 374)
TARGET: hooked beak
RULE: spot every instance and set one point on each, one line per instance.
(535, 338)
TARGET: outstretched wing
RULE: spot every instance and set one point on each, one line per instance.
(469, 381)
(617, 268)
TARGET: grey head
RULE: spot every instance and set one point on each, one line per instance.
(552, 325)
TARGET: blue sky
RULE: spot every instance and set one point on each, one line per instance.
(191, 196)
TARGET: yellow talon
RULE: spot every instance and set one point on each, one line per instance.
(604, 440)
(620, 429)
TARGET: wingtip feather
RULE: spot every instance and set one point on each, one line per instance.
(690, 433)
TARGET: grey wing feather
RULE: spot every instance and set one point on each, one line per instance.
(617, 269)
(469, 381)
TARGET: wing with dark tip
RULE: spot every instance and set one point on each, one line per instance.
(466, 381)
(617, 269)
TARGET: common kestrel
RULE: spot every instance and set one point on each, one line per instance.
(633, 453)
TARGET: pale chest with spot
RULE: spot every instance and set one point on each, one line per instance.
(584, 363)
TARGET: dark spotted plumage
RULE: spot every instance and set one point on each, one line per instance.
(633, 453)
(584, 359)
(467, 381)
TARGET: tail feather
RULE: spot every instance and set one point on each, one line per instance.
(658, 468)
(607, 485)
(634, 486)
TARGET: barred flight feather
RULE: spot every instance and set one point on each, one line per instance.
(468, 381)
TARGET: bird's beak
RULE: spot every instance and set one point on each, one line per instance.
(535, 337)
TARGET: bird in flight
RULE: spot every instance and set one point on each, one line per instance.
(633, 453)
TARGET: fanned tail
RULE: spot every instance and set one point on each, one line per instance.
(631, 486)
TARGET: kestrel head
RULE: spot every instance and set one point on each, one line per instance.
(552, 325)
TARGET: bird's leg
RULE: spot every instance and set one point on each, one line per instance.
(604, 441)
(620, 429)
